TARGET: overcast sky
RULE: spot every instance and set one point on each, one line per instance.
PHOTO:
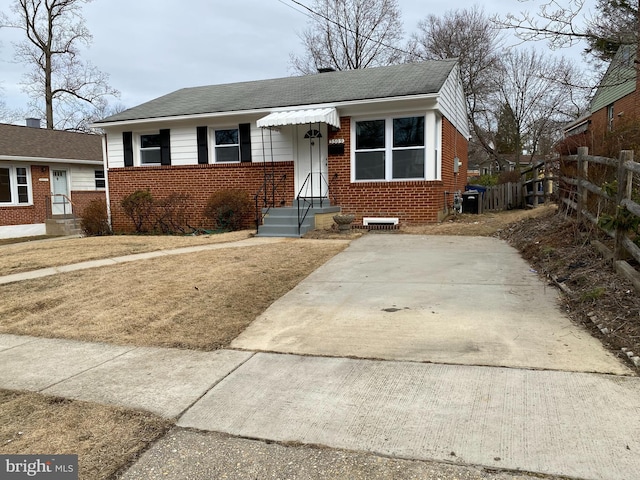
(153, 47)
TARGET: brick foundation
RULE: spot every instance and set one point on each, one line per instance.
(196, 181)
(81, 199)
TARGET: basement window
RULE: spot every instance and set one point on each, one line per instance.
(379, 221)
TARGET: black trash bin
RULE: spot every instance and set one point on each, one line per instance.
(470, 201)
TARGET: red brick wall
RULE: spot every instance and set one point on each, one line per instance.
(197, 181)
(82, 198)
(36, 213)
(628, 106)
(413, 202)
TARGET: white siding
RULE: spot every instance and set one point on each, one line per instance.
(115, 150)
(83, 178)
(184, 146)
(279, 141)
(453, 104)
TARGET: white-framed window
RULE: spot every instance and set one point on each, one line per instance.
(226, 143)
(610, 117)
(100, 180)
(15, 185)
(150, 149)
(388, 149)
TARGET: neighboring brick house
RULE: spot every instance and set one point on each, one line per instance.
(387, 144)
(614, 112)
(46, 173)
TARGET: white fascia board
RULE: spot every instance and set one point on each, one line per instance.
(264, 111)
(12, 158)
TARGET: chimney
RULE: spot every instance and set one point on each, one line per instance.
(33, 122)
(326, 70)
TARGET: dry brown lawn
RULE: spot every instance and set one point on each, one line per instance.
(485, 224)
(106, 439)
(25, 256)
(199, 300)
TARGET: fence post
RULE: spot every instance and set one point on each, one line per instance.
(625, 186)
(536, 178)
(547, 185)
(582, 173)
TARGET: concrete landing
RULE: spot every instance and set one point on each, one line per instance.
(557, 423)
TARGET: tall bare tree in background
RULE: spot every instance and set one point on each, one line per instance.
(565, 22)
(537, 92)
(60, 84)
(471, 37)
(516, 98)
(350, 34)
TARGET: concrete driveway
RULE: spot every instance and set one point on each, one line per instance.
(441, 299)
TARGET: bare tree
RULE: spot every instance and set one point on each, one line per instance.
(350, 34)
(566, 22)
(537, 92)
(59, 83)
(471, 37)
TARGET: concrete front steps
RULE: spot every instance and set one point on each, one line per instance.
(63, 225)
(283, 221)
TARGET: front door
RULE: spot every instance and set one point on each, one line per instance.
(311, 161)
(60, 189)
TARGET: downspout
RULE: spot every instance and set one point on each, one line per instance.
(105, 157)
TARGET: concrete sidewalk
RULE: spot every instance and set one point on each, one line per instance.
(545, 422)
(470, 306)
(105, 262)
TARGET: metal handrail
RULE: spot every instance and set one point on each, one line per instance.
(49, 205)
(311, 204)
(67, 201)
(268, 203)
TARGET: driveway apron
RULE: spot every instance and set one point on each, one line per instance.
(443, 299)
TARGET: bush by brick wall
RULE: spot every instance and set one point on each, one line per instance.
(81, 199)
(196, 181)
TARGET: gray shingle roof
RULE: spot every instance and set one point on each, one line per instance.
(330, 87)
(18, 141)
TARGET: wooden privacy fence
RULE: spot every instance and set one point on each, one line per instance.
(535, 187)
(602, 191)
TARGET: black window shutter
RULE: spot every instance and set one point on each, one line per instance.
(203, 146)
(165, 147)
(127, 143)
(245, 142)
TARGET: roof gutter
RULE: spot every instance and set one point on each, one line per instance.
(13, 158)
(263, 111)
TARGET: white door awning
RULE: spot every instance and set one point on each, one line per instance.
(300, 117)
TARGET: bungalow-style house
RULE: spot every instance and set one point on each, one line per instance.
(386, 144)
(614, 107)
(47, 177)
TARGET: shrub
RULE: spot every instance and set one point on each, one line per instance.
(138, 206)
(229, 208)
(512, 176)
(169, 213)
(95, 221)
